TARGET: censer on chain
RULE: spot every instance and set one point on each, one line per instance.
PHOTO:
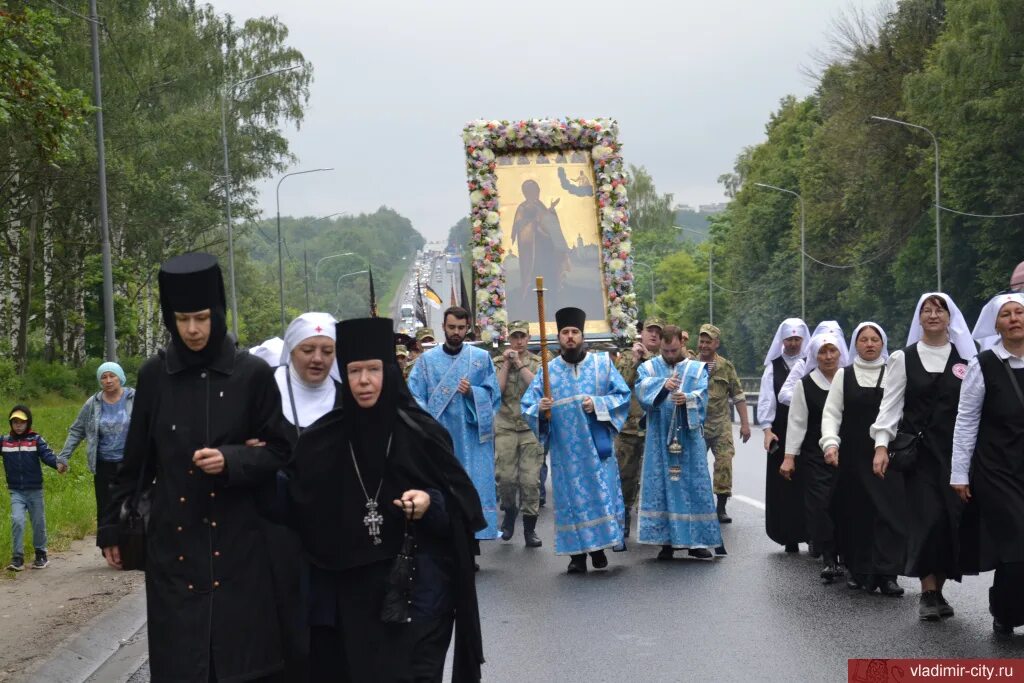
(675, 470)
(673, 429)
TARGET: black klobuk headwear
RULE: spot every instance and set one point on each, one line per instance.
(190, 283)
(570, 317)
(365, 339)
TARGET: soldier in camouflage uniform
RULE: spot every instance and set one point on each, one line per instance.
(402, 356)
(518, 455)
(424, 335)
(629, 444)
(723, 387)
(685, 336)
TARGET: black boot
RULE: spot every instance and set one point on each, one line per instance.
(666, 552)
(792, 547)
(577, 564)
(723, 517)
(530, 532)
(887, 586)
(599, 559)
(508, 524)
(720, 551)
(625, 528)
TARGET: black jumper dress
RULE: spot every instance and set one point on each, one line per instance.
(820, 478)
(872, 512)
(783, 500)
(934, 509)
(997, 485)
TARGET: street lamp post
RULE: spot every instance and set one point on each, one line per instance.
(109, 336)
(337, 287)
(316, 268)
(803, 250)
(938, 203)
(227, 185)
(305, 263)
(280, 242)
(711, 271)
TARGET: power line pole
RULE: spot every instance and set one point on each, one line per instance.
(305, 272)
(101, 160)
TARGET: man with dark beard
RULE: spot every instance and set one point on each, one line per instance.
(588, 404)
(456, 384)
(359, 474)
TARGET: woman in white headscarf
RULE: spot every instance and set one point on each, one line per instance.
(988, 449)
(871, 512)
(783, 498)
(803, 432)
(307, 377)
(922, 391)
(797, 373)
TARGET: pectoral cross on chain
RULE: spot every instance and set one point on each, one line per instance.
(373, 521)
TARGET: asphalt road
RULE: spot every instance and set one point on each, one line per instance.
(757, 614)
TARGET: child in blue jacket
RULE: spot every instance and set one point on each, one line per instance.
(23, 450)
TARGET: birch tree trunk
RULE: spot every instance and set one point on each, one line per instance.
(12, 279)
(49, 295)
(76, 340)
(148, 345)
(21, 347)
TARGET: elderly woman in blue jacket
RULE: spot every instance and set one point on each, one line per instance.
(103, 424)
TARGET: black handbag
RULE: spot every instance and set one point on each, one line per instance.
(903, 448)
(903, 451)
(398, 596)
(131, 526)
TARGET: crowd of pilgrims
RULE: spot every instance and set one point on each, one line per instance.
(902, 464)
(317, 517)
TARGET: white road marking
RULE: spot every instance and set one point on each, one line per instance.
(753, 502)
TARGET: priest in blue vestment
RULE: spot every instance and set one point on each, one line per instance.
(677, 507)
(589, 403)
(456, 384)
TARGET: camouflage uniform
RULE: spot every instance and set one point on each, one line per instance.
(629, 444)
(517, 453)
(421, 334)
(402, 352)
(723, 385)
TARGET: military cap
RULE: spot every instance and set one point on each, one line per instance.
(400, 350)
(711, 331)
(654, 321)
(519, 326)
(424, 333)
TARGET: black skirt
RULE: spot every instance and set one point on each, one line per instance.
(872, 511)
(784, 519)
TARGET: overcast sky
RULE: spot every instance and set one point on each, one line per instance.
(691, 82)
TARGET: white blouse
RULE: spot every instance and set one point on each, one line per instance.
(766, 405)
(933, 358)
(968, 417)
(866, 373)
(796, 427)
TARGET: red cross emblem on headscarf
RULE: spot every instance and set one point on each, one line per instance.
(318, 329)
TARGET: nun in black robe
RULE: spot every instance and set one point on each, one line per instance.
(357, 455)
(987, 470)
(209, 588)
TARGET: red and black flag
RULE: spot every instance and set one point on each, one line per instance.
(421, 310)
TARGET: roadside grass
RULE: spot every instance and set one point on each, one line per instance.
(69, 499)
